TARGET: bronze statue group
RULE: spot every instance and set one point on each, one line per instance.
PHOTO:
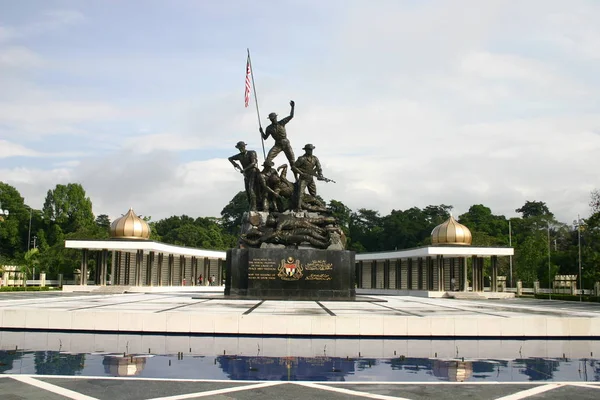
(269, 189)
(290, 216)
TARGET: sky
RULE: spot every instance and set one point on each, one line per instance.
(408, 103)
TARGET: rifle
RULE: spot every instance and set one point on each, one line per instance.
(326, 180)
(319, 178)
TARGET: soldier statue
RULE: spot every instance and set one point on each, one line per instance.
(249, 169)
(277, 130)
(268, 191)
(307, 167)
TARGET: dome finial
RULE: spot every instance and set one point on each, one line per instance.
(129, 226)
(451, 232)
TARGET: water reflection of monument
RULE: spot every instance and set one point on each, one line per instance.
(286, 368)
(453, 370)
(118, 365)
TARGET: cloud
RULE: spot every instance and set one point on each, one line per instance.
(575, 31)
(43, 23)
(18, 57)
(8, 149)
(5, 34)
(407, 104)
(40, 117)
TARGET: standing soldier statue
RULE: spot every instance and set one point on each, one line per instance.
(249, 169)
(307, 167)
(277, 130)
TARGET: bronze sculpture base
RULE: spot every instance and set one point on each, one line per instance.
(273, 273)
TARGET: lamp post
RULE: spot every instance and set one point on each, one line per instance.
(29, 231)
(579, 251)
(510, 257)
(549, 279)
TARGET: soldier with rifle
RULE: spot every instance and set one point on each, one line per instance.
(307, 167)
(249, 169)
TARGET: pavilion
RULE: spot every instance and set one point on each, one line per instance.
(429, 270)
(139, 261)
(440, 267)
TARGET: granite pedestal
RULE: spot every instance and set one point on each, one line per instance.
(272, 273)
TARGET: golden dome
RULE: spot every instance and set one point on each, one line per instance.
(129, 226)
(451, 232)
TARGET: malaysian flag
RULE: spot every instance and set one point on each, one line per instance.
(247, 89)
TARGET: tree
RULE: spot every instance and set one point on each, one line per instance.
(595, 201)
(590, 242)
(14, 227)
(534, 209)
(68, 206)
(486, 228)
(231, 215)
(30, 261)
(201, 232)
(103, 221)
(341, 213)
(365, 230)
(436, 215)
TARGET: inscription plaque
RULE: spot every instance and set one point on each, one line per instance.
(290, 273)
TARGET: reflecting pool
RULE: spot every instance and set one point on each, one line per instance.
(251, 358)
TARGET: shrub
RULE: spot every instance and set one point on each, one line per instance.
(24, 289)
(567, 297)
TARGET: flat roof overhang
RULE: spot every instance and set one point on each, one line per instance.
(145, 245)
(431, 251)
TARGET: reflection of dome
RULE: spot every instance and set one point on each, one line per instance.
(451, 232)
(129, 226)
(455, 371)
(123, 366)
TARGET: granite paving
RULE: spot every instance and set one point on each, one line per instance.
(372, 316)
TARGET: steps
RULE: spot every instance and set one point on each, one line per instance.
(113, 289)
(466, 296)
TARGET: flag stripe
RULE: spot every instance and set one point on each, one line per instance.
(247, 90)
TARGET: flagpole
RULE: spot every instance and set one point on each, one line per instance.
(256, 101)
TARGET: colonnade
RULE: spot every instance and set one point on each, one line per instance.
(139, 268)
(431, 273)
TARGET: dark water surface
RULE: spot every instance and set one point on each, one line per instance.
(284, 359)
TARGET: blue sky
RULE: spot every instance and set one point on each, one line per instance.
(409, 103)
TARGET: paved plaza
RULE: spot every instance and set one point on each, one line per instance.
(87, 388)
(377, 326)
(372, 316)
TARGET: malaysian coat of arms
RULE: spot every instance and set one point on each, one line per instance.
(290, 269)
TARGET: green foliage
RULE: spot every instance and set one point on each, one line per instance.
(231, 215)
(67, 214)
(203, 233)
(398, 230)
(103, 221)
(13, 228)
(68, 207)
(534, 209)
(366, 230)
(567, 297)
(24, 289)
(55, 363)
(486, 228)
(30, 261)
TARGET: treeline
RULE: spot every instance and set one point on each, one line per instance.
(543, 246)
